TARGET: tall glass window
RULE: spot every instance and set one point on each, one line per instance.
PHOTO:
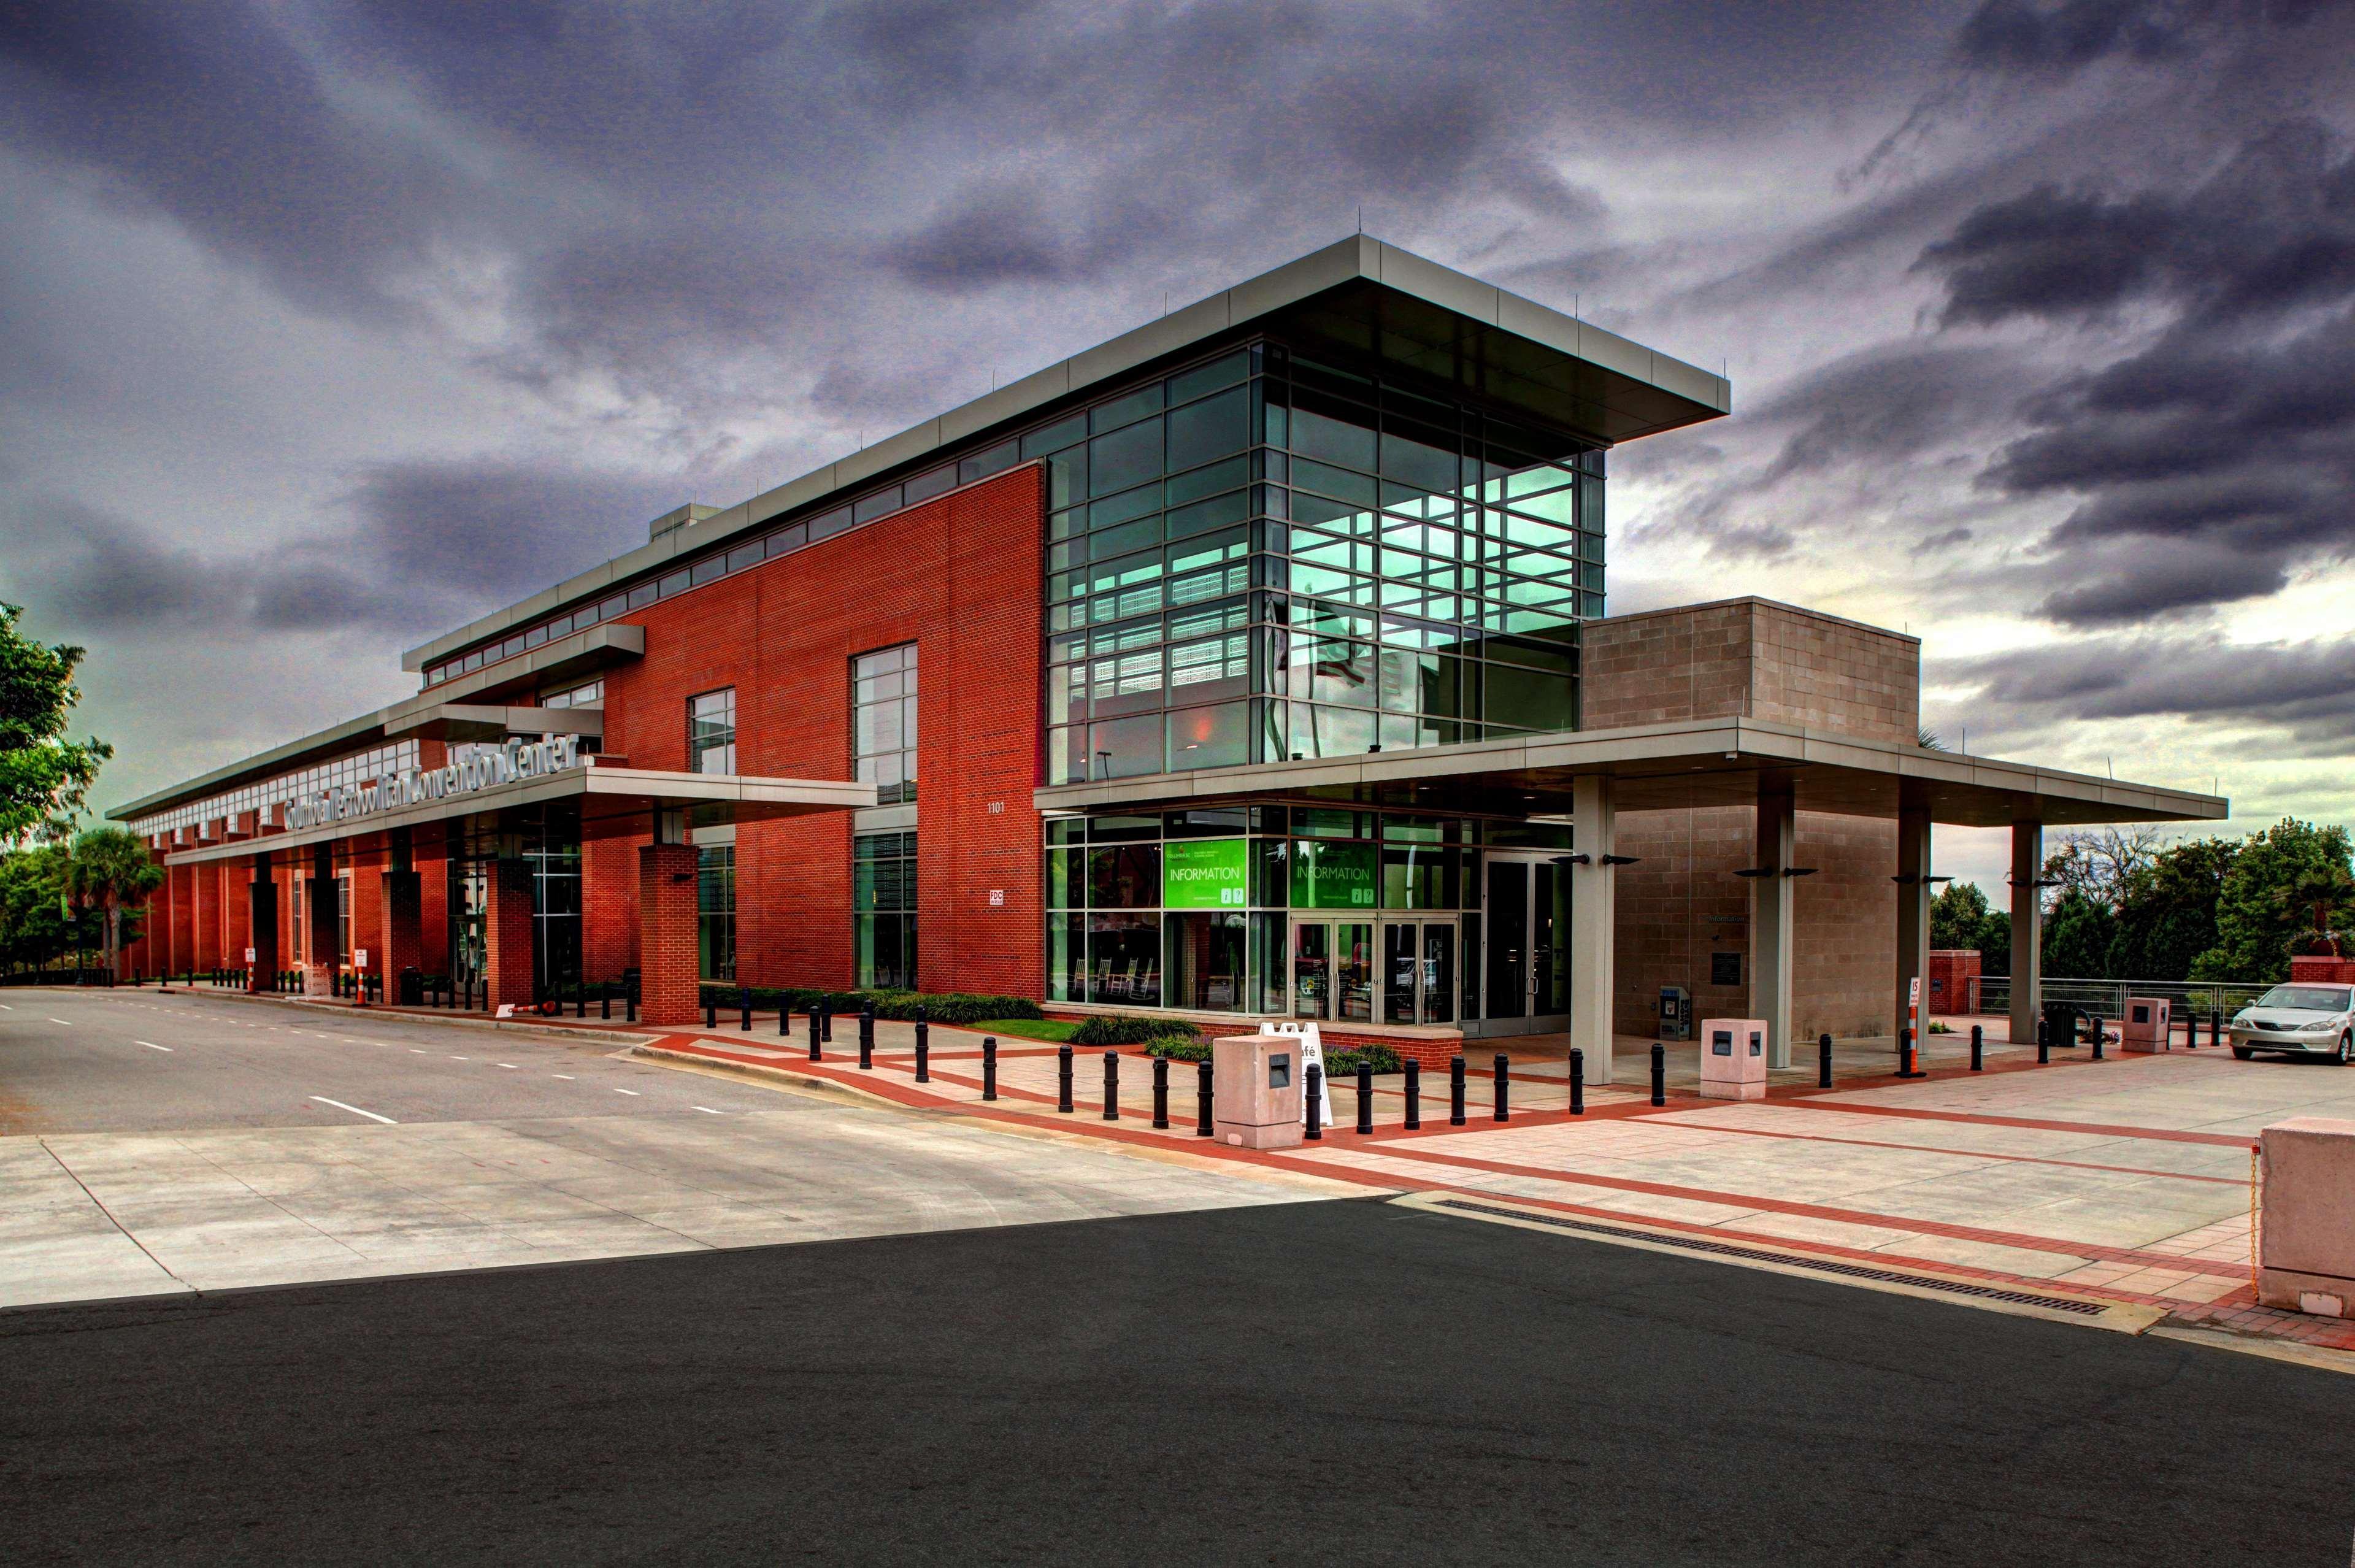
(1270, 555)
(883, 721)
(883, 901)
(711, 732)
(714, 911)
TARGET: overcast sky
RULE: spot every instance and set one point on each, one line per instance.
(326, 327)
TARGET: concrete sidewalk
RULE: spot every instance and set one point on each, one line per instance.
(2125, 1180)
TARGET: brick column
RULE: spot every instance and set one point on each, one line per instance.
(204, 906)
(1771, 921)
(666, 935)
(1594, 924)
(404, 929)
(261, 904)
(507, 934)
(237, 908)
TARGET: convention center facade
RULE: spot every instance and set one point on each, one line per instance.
(1253, 664)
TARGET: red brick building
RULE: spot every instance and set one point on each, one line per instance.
(1251, 664)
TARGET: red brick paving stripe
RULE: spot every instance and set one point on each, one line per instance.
(1826, 1211)
(1959, 1153)
(2097, 1129)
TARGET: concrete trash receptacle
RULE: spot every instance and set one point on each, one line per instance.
(1256, 1086)
(1732, 1059)
(2149, 1024)
(2305, 1225)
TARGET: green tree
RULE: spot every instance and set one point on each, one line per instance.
(2259, 915)
(2319, 892)
(2077, 936)
(43, 775)
(33, 927)
(2167, 911)
(1994, 942)
(1957, 915)
(110, 872)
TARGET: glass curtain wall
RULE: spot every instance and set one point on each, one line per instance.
(1269, 556)
(1198, 910)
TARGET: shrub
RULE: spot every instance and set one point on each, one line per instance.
(940, 1006)
(1345, 1062)
(1112, 1028)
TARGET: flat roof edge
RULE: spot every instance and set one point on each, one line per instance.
(1353, 258)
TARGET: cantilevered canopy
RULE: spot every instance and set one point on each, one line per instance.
(614, 802)
(1712, 761)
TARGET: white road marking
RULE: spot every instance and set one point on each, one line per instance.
(356, 1111)
(710, 1112)
(4, 1008)
(414, 1051)
(470, 1059)
(69, 1023)
(633, 1093)
(511, 1067)
(568, 1077)
(153, 1045)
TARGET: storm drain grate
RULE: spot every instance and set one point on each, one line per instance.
(1848, 1271)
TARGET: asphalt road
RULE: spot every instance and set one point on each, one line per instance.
(134, 1060)
(1323, 1382)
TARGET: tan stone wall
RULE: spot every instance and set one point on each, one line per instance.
(1682, 902)
(1750, 659)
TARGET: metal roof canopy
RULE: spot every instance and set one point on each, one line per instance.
(1705, 762)
(615, 803)
(1358, 293)
(577, 653)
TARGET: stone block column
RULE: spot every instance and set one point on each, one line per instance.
(1772, 919)
(506, 935)
(2027, 930)
(262, 909)
(1593, 920)
(668, 961)
(1912, 910)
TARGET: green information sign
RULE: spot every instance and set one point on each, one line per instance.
(1205, 873)
(1335, 876)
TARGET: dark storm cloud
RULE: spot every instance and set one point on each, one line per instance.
(421, 546)
(2306, 689)
(2215, 461)
(2010, 35)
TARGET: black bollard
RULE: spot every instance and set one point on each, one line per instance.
(2098, 1031)
(744, 1000)
(2216, 1027)
(2043, 1043)
(1365, 1098)
(1315, 1104)
(1823, 1062)
(1577, 1081)
(923, 1053)
(816, 1037)
(1503, 1082)
(784, 1017)
(1112, 1086)
(629, 1004)
(1161, 1093)
(1063, 1080)
(605, 1001)
(1414, 1095)
(1202, 1128)
(1978, 1047)
(989, 1067)
(1456, 1090)
(866, 1039)
(1659, 1075)
(710, 1010)
(1905, 1053)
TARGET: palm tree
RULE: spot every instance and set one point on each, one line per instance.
(111, 869)
(2324, 891)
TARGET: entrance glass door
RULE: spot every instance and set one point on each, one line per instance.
(1333, 970)
(1419, 972)
(1527, 965)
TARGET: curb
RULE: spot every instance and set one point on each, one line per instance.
(516, 1026)
(762, 1073)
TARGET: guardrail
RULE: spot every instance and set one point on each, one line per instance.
(1992, 994)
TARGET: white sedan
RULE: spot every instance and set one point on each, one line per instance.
(2300, 1021)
